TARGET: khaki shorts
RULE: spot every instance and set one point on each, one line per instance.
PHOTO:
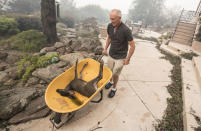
(116, 65)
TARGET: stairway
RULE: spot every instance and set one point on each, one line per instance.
(184, 33)
(185, 29)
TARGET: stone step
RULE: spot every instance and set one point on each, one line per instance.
(190, 32)
(186, 28)
(191, 96)
(168, 50)
(197, 65)
(180, 47)
(183, 34)
(187, 24)
(187, 38)
(181, 41)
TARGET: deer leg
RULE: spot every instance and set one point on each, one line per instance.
(76, 69)
(83, 69)
(100, 75)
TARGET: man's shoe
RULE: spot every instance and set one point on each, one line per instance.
(108, 85)
(112, 93)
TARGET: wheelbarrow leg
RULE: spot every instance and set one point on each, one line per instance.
(59, 119)
(101, 98)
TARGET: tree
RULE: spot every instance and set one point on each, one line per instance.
(48, 18)
(94, 11)
(147, 11)
(24, 6)
(4, 5)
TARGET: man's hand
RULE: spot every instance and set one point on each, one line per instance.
(126, 61)
(104, 52)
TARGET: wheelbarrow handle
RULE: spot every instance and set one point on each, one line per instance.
(99, 59)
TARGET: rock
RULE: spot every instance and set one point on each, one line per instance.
(3, 66)
(66, 43)
(12, 72)
(76, 45)
(42, 82)
(20, 84)
(52, 53)
(40, 86)
(88, 44)
(69, 50)
(59, 34)
(9, 82)
(23, 117)
(71, 58)
(90, 55)
(13, 101)
(33, 81)
(47, 49)
(36, 109)
(36, 105)
(83, 49)
(38, 54)
(62, 64)
(58, 45)
(48, 73)
(13, 58)
(70, 30)
(61, 25)
(64, 39)
(3, 55)
(71, 36)
(61, 50)
(3, 76)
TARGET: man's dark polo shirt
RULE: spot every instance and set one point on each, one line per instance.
(119, 40)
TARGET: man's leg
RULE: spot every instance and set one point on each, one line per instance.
(110, 64)
(118, 66)
(115, 80)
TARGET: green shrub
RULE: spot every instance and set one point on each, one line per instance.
(8, 26)
(28, 64)
(29, 23)
(189, 56)
(27, 41)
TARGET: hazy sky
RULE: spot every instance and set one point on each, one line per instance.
(124, 5)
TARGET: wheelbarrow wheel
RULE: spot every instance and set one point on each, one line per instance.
(59, 119)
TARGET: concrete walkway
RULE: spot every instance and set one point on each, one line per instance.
(139, 102)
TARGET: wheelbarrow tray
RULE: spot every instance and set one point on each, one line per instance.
(62, 104)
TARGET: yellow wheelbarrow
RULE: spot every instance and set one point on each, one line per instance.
(65, 106)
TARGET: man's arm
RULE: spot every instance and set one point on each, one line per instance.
(108, 40)
(131, 51)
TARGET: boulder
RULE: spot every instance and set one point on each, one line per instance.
(49, 73)
(70, 36)
(13, 58)
(51, 53)
(33, 81)
(71, 58)
(3, 66)
(14, 100)
(12, 72)
(47, 49)
(76, 45)
(36, 109)
(59, 45)
(3, 55)
(3, 76)
(61, 50)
